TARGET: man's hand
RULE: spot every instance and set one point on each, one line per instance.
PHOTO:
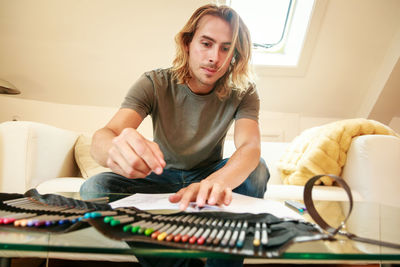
(133, 156)
(204, 192)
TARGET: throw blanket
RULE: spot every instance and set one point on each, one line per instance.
(323, 150)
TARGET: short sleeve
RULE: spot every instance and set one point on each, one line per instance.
(140, 96)
(249, 106)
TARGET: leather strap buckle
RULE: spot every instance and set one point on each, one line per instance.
(308, 202)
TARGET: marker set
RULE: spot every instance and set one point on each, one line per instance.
(245, 234)
(190, 228)
(29, 212)
(256, 235)
(27, 219)
(32, 207)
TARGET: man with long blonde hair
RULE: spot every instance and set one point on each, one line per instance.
(192, 104)
(238, 75)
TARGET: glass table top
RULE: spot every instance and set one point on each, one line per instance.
(368, 220)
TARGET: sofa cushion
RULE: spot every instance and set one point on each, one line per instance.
(32, 152)
(323, 149)
(87, 165)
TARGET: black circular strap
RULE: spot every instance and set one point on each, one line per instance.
(310, 204)
(321, 222)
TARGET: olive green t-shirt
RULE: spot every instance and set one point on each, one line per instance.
(189, 128)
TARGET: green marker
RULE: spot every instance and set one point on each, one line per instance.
(136, 226)
(121, 220)
(135, 229)
(127, 228)
(153, 227)
(115, 222)
(144, 227)
(148, 231)
(107, 219)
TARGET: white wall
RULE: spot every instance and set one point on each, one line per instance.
(86, 52)
(274, 126)
(73, 117)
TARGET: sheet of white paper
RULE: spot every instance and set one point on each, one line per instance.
(240, 204)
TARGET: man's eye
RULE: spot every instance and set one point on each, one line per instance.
(206, 44)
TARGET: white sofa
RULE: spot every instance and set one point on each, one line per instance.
(35, 155)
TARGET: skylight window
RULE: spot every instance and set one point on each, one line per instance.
(277, 27)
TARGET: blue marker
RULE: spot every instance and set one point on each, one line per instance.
(297, 206)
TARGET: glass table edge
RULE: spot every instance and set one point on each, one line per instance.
(187, 253)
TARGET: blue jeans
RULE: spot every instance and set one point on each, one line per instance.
(170, 181)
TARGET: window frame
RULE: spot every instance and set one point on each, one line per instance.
(304, 54)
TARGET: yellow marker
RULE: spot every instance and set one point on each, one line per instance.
(256, 240)
(162, 236)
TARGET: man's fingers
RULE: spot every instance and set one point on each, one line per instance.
(115, 158)
(203, 193)
(144, 151)
(117, 169)
(157, 152)
(189, 195)
(177, 196)
(220, 195)
(225, 197)
(123, 154)
(228, 196)
(215, 194)
(137, 155)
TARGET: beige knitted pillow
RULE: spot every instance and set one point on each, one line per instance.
(87, 165)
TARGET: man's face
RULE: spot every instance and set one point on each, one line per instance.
(208, 51)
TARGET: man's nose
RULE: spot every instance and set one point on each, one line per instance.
(213, 56)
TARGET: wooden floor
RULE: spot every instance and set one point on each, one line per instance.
(34, 262)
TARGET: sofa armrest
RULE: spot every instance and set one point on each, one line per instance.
(373, 167)
(31, 153)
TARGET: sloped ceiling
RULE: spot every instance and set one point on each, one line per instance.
(354, 54)
(90, 52)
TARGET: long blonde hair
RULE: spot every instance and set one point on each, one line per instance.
(238, 76)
